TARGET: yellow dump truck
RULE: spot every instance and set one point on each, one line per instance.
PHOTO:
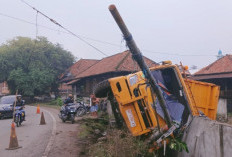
(138, 104)
(167, 107)
(157, 102)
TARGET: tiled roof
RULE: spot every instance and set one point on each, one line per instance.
(77, 68)
(116, 63)
(222, 65)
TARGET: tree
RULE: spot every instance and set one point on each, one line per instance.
(32, 66)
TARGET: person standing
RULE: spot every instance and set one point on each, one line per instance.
(94, 106)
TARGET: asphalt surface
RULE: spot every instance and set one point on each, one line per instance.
(33, 137)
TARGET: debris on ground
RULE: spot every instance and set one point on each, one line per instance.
(97, 138)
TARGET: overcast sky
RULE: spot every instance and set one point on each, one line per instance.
(190, 31)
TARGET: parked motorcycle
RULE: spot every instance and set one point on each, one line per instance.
(19, 116)
(82, 109)
(68, 112)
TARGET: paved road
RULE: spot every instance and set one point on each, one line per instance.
(33, 137)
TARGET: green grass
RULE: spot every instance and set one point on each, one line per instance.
(45, 105)
(56, 104)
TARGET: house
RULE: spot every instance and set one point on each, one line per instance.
(117, 65)
(4, 89)
(219, 73)
(71, 73)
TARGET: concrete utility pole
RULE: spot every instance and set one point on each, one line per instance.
(137, 56)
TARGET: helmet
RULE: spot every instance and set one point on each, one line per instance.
(70, 96)
(18, 96)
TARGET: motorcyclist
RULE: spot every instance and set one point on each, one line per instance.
(67, 101)
(20, 103)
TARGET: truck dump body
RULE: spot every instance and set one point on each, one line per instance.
(204, 97)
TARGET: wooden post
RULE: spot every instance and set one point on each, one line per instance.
(14, 106)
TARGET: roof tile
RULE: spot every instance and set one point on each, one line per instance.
(118, 62)
(77, 68)
(222, 65)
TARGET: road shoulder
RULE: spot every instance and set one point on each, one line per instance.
(65, 142)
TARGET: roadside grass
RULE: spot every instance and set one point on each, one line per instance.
(119, 143)
(97, 138)
(56, 104)
(92, 126)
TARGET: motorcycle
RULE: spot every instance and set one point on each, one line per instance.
(82, 109)
(19, 116)
(68, 112)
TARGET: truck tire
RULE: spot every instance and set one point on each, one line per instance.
(102, 88)
(117, 115)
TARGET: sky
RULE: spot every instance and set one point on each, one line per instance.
(187, 31)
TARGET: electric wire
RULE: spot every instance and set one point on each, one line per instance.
(100, 41)
(177, 54)
(36, 22)
(56, 30)
(58, 24)
(28, 22)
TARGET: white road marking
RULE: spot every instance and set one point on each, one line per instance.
(52, 138)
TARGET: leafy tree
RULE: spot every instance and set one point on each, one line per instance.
(33, 66)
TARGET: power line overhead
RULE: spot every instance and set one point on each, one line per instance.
(58, 24)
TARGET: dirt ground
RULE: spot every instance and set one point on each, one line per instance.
(66, 142)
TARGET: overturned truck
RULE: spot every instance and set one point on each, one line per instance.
(163, 105)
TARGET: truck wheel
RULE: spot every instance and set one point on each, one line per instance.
(102, 88)
(117, 115)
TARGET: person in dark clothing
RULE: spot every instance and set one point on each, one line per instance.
(20, 103)
(69, 99)
(66, 102)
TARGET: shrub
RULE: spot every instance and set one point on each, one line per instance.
(57, 101)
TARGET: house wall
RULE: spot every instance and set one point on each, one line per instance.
(85, 86)
(225, 92)
(64, 90)
(4, 88)
(222, 108)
